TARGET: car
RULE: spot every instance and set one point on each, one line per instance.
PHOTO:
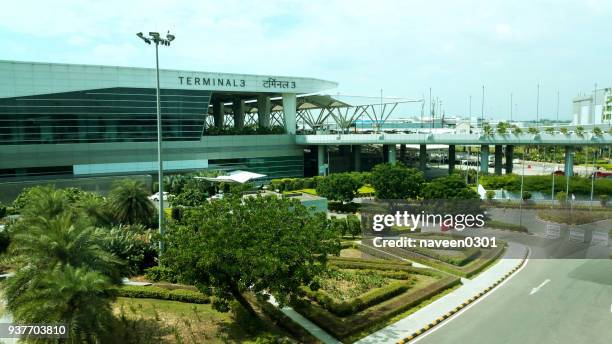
(214, 197)
(155, 197)
(558, 173)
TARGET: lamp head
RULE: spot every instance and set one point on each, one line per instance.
(155, 35)
(170, 37)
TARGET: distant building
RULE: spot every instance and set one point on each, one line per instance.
(593, 109)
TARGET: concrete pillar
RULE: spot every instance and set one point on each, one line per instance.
(357, 158)
(451, 159)
(321, 156)
(484, 159)
(498, 159)
(218, 113)
(263, 111)
(238, 109)
(569, 161)
(392, 154)
(423, 157)
(509, 158)
(289, 109)
(403, 152)
(385, 153)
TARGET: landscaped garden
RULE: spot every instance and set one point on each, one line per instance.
(358, 296)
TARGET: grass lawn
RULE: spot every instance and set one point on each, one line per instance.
(344, 284)
(354, 253)
(178, 322)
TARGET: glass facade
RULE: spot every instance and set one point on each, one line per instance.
(103, 115)
(273, 167)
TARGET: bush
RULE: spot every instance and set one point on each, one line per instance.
(603, 200)
(160, 273)
(353, 225)
(526, 195)
(361, 302)
(3, 210)
(505, 225)
(152, 292)
(132, 247)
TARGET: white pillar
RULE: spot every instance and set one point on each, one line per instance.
(263, 111)
(289, 109)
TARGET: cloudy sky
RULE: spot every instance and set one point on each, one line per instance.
(403, 47)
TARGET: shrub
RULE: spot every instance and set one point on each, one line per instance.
(603, 199)
(505, 225)
(152, 292)
(339, 225)
(3, 210)
(160, 273)
(353, 225)
(137, 251)
(361, 302)
(526, 195)
(343, 207)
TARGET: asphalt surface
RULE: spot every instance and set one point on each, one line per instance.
(574, 306)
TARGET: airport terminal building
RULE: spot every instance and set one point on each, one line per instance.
(85, 121)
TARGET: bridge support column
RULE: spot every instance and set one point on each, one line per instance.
(357, 158)
(484, 159)
(238, 109)
(263, 111)
(402, 152)
(385, 153)
(509, 158)
(423, 157)
(498, 159)
(391, 154)
(219, 113)
(321, 155)
(569, 161)
(451, 159)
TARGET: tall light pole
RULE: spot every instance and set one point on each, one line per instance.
(538, 108)
(482, 108)
(157, 39)
(511, 103)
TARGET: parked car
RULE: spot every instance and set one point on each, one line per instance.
(155, 197)
(602, 174)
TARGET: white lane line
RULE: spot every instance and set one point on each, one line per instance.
(454, 316)
(536, 289)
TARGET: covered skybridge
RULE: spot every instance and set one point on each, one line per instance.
(504, 144)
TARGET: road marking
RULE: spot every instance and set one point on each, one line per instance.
(536, 289)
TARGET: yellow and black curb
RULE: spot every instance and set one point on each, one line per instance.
(463, 305)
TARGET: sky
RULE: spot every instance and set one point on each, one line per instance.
(403, 47)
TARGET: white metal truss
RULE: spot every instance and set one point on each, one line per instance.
(307, 116)
(277, 117)
(346, 116)
(379, 113)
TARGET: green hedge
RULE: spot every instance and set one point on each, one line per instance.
(505, 225)
(152, 292)
(343, 328)
(283, 321)
(340, 207)
(543, 183)
(468, 255)
(354, 305)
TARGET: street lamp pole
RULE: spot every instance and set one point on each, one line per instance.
(157, 39)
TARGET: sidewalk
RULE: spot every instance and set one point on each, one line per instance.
(430, 313)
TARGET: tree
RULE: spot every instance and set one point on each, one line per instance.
(597, 131)
(502, 128)
(550, 130)
(517, 130)
(603, 200)
(396, 181)
(579, 131)
(563, 130)
(193, 193)
(487, 129)
(339, 187)
(62, 272)
(257, 244)
(129, 203)
(449, 187)
(94, 206)
(533, 130)
(490, 195)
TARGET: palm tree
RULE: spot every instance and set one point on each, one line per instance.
(563, 130)
(45, 201)
(77, 297)
(579, 131)
(62, 271)
(550, 130)
(94, 207)
(517, 130)
(502, 128)
(533, 130)
(129, 203)
(597, 131)
(487, 129)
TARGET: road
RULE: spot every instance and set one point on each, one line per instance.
(549, 301)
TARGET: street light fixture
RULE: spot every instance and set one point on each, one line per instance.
(157, 39)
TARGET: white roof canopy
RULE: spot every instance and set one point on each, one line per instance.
(235, 177)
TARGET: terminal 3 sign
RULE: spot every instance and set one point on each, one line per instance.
(231, 82)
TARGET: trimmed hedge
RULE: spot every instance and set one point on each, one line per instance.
(361, 302)
(283, 321)
(505, 225)
(342, 328)
(152, 292)
(340, 207)
(469, 255)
